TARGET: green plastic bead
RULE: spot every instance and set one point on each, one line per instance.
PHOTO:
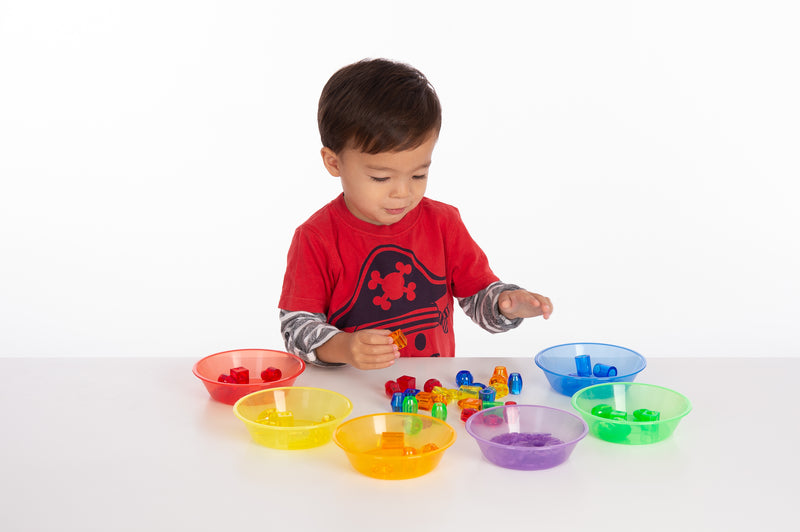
(412, 425)
(643, 414)
(410, 404)
(602, 411)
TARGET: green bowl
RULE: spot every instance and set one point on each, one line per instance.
(631, 413)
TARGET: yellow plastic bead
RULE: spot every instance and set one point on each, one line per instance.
(502, 389)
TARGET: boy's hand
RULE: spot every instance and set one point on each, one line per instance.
(364, 349)
(523, 304)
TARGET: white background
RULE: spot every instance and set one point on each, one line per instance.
(635, 161)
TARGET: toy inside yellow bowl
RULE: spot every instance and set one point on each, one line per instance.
(395, 445)
(292, 417)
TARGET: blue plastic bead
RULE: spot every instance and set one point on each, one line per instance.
(487, 394)
(515, 383)
(397, 401)
(604, 370)
(463, 377)
(411, 392)
(584, 365)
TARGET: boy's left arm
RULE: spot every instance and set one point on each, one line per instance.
(501, 307)
(520, 303)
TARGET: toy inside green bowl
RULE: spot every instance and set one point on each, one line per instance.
(629, 412)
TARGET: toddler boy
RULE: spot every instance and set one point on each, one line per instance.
(382, 256)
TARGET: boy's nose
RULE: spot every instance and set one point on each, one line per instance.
(401, 189)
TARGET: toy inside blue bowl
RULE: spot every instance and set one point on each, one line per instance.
(572, 367)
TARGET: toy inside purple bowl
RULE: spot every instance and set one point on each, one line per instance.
(526, 437)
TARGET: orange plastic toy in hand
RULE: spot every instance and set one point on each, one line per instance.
(399, 338)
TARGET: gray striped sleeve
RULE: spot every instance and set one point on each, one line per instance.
(482, 308)
(303, 332)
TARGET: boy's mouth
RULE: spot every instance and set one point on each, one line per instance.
(395, 212)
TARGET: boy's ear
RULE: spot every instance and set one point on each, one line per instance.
(331, 162)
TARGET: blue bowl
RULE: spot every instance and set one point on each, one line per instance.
(558, 364)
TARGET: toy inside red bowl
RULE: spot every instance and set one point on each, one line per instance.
(230, 375)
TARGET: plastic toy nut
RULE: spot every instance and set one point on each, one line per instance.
(241, 375)
(604, 370)
(439, 411)
(466, 413)
(430, 384)
(397, 402)
(391, 388)
(406, 381)
(463, 378)
(410, 404)
(644, 414)
(424, 400)
(271, 374)
(399, 338)
(583, 364)
(393, 440)
(602, 411)
(487, 394)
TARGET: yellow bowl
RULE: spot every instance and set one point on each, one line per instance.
(395, 445)
(292, 417)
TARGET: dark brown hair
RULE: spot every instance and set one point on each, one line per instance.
(377, 105)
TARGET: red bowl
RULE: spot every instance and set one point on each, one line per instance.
(211, 367)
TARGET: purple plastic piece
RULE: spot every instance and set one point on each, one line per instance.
(527, 439)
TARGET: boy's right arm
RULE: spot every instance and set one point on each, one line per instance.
(364, 349)
(310, 337)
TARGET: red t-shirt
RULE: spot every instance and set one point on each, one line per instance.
(399, 276)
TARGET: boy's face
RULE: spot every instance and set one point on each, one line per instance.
(384, 187)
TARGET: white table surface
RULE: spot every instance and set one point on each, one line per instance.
(118, 444)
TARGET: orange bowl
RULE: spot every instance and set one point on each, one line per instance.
(209, 369)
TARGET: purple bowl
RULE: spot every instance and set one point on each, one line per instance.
(526, 437)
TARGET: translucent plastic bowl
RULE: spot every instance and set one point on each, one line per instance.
(211, 367)
(365, 442)
(558, 365)
(303, 417)
(627, 398)
(526, 437)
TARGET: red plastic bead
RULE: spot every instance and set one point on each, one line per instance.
(492, 420)
(271, 374)
(241, 375)
(392, 388)
(226, 378)
(466, 413)
(407, 382)
(430, 384)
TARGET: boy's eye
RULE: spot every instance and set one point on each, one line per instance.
(379, 179)
(422, 176)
